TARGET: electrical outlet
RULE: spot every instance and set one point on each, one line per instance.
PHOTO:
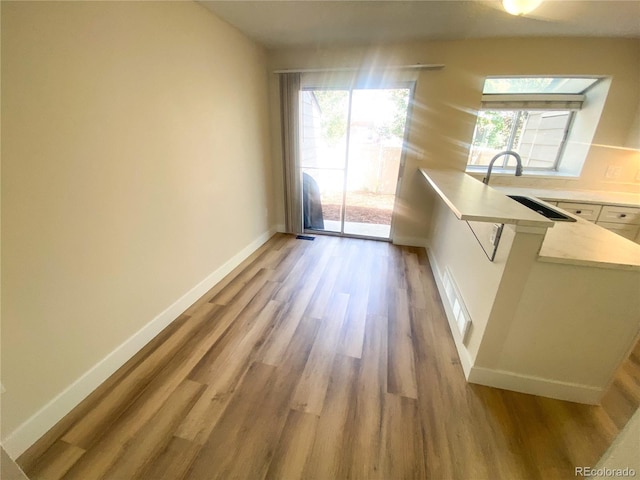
(2, 389)
(613, 171)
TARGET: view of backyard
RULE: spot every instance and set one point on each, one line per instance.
(536, 135)
(364, 207)
(367, 167)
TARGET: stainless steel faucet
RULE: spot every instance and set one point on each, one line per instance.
(485, 180)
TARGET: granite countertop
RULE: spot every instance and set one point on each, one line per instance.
(576, 243)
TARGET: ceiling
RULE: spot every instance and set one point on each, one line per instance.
(304, 23)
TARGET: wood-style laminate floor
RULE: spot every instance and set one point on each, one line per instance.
(326, 359)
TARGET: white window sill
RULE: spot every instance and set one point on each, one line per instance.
(502, 172)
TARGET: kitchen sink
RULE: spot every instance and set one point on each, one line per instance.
(543, 210)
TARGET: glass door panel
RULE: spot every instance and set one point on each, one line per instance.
(376, 136)
(323, 151)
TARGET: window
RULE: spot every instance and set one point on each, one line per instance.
(538, 136)
(538, 85)
(533, 116)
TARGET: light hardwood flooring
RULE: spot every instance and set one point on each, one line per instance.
(326, 359)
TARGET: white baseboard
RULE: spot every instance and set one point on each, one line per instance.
(409, 241)
(281, 228)
(544, 387)
(16, 442)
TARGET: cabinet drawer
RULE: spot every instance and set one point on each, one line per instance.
(587, 211)
(613, 214)
(624, 230)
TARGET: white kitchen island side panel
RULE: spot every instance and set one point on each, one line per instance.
(453, 246)
(574, 324)
(558, 330)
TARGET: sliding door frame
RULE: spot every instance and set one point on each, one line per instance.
(411, 86)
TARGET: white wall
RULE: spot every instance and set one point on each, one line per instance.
(136, 162)
(577, 334)
(453, 246)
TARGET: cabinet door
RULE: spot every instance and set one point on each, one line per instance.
(624, 215)
(588, 211)
(626, 231)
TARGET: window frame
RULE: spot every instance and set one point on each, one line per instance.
(596, 79)
(518, 102)
(509, 144)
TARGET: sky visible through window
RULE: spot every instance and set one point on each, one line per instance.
(537, 85)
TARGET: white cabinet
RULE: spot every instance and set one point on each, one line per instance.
(588, 211)
(615, 214)
(627, 231)
(624, 221)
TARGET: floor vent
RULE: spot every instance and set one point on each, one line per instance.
(305, 237)
(460, 313)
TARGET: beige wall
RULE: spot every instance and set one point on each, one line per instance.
(136, 161)
(9, 470)
(623, 452)
(447, 102)
(634, 132)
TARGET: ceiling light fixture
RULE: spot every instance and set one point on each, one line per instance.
(520, 7)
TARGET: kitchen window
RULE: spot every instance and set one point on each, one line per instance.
(538, 136)
(536, 117)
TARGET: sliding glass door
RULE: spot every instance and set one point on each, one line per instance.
(323, 157)
(351, 144)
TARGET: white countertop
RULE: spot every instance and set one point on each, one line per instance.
(577, 243)
(585, 243)
(582, 196)
(472, 200)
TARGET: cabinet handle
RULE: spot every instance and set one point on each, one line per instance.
(578, 212)
(622, 215)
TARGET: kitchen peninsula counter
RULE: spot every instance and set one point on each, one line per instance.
(555, 310)
(578, 243)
